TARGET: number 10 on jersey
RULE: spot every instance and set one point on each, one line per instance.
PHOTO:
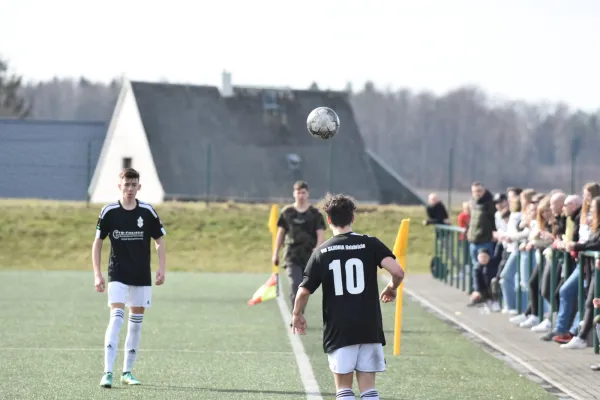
(353, 266)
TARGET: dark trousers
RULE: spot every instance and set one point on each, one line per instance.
(559, 281)
(588, 316)
(480, 271)
(534, 292)
(484, 275)
(295, 273)
(502, 262)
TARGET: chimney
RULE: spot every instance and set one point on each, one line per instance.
(226, 89)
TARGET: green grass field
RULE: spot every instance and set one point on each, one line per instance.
(200, 339)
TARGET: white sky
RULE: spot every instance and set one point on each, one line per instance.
(519, 49)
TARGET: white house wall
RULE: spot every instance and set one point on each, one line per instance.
(125, 138)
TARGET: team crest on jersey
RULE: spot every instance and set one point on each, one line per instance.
(140, 222)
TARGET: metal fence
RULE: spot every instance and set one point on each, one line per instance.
(56, 169)
(452, 265)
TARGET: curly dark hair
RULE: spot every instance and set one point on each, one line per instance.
(340, 209)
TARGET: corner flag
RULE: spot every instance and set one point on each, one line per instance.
(266, 292)
(269, 290)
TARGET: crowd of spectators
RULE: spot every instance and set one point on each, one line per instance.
(502, 229)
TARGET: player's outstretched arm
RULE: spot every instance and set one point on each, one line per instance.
(96, 262)
(162, 260)
(278, 243)
(320, 237)
(298, 321)
(391, 265)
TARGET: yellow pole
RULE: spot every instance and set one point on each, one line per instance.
(400, 253)
(272, 224)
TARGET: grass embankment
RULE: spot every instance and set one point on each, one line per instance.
(223, 237)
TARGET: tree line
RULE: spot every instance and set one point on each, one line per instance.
(419, 134)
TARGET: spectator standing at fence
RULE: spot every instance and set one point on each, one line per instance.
(501, 203)
(592, 244)
(482, 226)
(512, 197)
(524, 252)
(501, 217)
(572, 211)
(556, 231)
(541, 238)
(501, 256)
(517, 231)
(569, 289)
(436, 211)
(463, 219)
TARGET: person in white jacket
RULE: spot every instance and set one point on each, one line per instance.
(517, 231)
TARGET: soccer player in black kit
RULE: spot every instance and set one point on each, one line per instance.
(346, 268)
(130, 224)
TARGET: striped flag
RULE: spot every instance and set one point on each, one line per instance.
(266, 292)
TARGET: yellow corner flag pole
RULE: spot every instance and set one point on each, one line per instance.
(400, 252)
(272, 224)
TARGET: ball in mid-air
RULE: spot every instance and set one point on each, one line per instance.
(323, 123)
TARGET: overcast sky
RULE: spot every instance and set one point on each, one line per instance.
(519, 49)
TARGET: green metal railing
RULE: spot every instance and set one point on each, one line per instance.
(452, 265)
(452, 260)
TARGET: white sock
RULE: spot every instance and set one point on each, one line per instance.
(370, 394)
(132, 342)
(111, 338)
(345, 394)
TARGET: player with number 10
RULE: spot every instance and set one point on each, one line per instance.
(346, 267)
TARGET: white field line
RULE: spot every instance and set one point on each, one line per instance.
(311, 386)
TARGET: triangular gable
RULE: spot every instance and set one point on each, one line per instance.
(126, 86)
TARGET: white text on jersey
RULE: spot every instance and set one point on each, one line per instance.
(343, 247)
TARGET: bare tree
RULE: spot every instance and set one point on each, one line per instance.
(12, 102)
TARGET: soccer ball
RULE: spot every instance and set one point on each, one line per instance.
(323, 123)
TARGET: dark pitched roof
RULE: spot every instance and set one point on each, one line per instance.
(48, 159)
(249, 142)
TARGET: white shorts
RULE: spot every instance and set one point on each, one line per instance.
(132, 296)
(359, 357)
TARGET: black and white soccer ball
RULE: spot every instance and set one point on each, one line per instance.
(323, 123)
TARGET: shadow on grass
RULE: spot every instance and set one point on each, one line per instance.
(230, 390)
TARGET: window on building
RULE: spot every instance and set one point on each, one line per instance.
(126, 162)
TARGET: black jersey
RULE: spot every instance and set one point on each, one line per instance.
(346, 265)
(129, 232)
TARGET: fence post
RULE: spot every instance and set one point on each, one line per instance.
(553, 272)
(596, 310)
(541, 299)
(465, 261)
(89, 172)
(518, 285)
(580, 288)
(208, 171)
(330, 170)
(436, 263)
(532, 263)
(450, 176)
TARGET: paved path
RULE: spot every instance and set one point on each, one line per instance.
(567, 370)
